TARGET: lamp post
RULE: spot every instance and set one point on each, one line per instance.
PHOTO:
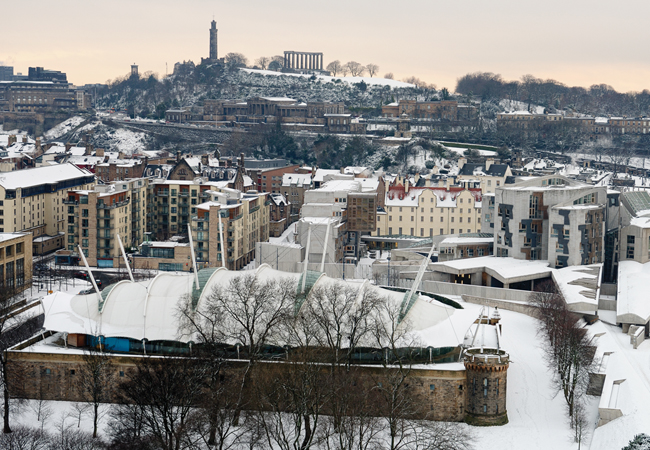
(388, 258)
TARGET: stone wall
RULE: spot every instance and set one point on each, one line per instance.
(439, 393)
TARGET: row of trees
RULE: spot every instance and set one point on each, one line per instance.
(569, 353)
(599, 99)
(316, 399)
(352, 68)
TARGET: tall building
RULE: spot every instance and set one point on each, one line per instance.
(96, 216)
(6, 73)
(213, 41)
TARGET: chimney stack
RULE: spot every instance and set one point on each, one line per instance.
(488, 163)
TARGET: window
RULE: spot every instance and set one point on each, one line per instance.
(630, 252)
(432, 387)
(19, 248)
(84, 242)
(630, 239)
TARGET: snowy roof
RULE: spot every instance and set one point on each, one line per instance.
(580, 286)
(298, 179)
(632, 305)
(148, 309)
(506, 270)
(41, 175)
(278, 99)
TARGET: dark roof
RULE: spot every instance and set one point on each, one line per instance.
(495, 170)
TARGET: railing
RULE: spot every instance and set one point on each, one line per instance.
(254, 208)
(70, 202)
(107, 227)
(162, 193)
(112, 205)
(108, 247)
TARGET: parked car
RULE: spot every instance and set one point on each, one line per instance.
(84, 276)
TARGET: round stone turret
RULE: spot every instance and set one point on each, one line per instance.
(486, 370)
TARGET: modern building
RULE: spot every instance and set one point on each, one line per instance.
(551, 218)
(95, 218)
(226, 228)
(15, 261)
(33, 200)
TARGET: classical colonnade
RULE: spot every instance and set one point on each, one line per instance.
(303, 60)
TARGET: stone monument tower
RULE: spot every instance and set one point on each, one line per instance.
(213, 41)
(486, 367)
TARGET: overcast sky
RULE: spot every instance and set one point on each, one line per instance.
(573, 41)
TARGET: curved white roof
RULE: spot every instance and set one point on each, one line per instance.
(149, 310)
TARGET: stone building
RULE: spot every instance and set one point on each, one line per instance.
(279, 220)
(427, 211)
(42, 91)
(121, 169)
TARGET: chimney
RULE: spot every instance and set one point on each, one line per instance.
(68, 146)
(241, 161)
(99, 152)
(38, 144)
(178, 156)
(406, 185)
(488, 163)
(461, 162)
(89, 150)
(12, 140)
(120, 155)
(205, 160)
(416, 179)
(342, 170)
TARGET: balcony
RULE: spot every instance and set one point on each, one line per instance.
(184, 194)
(105, 227)
(70, 202)
(254, 208)
(162, 193)
(105, 246)
(112, 205)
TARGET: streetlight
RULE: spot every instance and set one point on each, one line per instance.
(388, 258)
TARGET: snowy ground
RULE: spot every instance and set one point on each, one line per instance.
(351, 80)
(64, 127)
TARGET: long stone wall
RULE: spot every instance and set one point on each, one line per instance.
(440, 393)
(502, 304)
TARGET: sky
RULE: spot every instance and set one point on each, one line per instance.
(577, 42)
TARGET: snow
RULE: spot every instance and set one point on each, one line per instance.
(64, 127)
(632, 305)
(40, 175)
(580, 286)
(372, 81)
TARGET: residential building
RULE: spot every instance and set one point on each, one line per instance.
(279, 220)
(15, 261)
(166, 256)
(551, 218)
(231, 217)
(426, 211)
(95, 218)
(32, 200)
(489, 174)
(634, 241)
(294, 186)
(270, 180)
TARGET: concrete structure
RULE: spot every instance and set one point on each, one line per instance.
(303, 60)
(551, 218)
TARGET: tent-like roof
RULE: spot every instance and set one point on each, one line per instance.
(149, 309)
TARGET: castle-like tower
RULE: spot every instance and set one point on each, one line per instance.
(213, 41)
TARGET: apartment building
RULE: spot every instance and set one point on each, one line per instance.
(489, 174)
(294, 186)
(551, 218)
(426, 211)
(15, 261)
(634, 241)
(32, 200)
(95, 218)
(233, 221)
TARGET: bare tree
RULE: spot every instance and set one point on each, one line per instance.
(159, 399)
(263, 62)
(23, 438)
(42, 409)
(13, 329)
(95, 378)
(355, 68)
(389, 76)
(372, 69)
(334, 67)
(236, 60)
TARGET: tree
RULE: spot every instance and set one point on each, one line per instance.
(389, 76)
(372, 69)
(355, 69)
(277, 63)
(95, 378)
(263, 62)
(158, 401)
(334, 67)
(13, 329)
(236, 60)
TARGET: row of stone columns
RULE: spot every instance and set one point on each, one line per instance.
(301, 60)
